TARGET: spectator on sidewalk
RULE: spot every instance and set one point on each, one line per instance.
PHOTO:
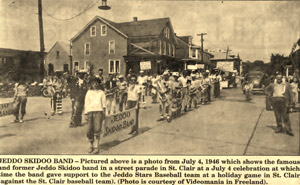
(94, 106)
(281, 100)
(294, 85)
(122, 85)
(20, 100)
(142, 81)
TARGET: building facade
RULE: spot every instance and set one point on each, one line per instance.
(58, 58)
(118, 47)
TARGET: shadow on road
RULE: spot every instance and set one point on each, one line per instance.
(108, 145)
(6, 135)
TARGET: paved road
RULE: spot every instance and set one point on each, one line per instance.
(228, 126)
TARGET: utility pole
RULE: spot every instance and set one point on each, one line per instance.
(227, 52)
(42, 46)
(71, 60)
(202, 49)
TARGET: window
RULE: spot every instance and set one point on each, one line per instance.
(87, 65)
(170, 50)
(57, 54)
(174, 51)
(66, 68)
(159, 47)
(93, 31)
(76, 66)
(193, 53)
(165, 48)
(114, 66)
(87, 48)
(167, 32)
(103, 30)
(111, 47)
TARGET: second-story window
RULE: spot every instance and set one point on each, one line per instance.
(159, 47)
(87, 48)
(165, 48)
(167, 32)
(170, 50)
(103, 30)
(93, 31)
(57, 54)
(111, 47)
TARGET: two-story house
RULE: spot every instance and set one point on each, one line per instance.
(118, 47)
(58, 58)
(190, 55)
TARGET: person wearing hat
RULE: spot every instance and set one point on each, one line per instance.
(94, 108)
(122, 85)
(163, 89)
(183, 80)
(281, 95)
(110, 91)
(193, 90)
(142, 81)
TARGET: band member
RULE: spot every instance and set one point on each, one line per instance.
(80, 89)
(122, 85)
(94, 106)
(183, 80)
(142, 81)
(134, 97)
(110, 91)
(20, 100)
(163, 96)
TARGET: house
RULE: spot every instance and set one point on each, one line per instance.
(190, 55)
(58, 58)
(117, 47)
(16, 62)
(223, 59)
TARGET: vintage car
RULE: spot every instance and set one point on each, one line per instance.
(256, 77)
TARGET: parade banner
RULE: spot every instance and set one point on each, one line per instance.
(120, 121)
(145, 65)
(6, 109)
(226, 66)
(200, 66)
(191, 67)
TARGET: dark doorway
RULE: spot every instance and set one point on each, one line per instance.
(50, 69)
(66, 67)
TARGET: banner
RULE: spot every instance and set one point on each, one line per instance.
(120, 121)
(226, 66)
(191, 67)
(200, 66)
(145, 65)
(6, 109)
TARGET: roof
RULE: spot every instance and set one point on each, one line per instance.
(5, 52)
(151, 27)
(221, 54)
(64, 45)
(185, 38)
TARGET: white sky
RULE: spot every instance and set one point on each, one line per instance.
(252, 29)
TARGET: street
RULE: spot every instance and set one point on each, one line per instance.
(227, 126)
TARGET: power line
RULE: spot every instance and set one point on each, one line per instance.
(89, 6)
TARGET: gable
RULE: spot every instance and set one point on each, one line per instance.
(92, 22)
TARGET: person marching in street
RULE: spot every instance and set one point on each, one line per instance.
(94, 108)
(20, 100)
(193, 90)
(183, 80)
(281, 95)
(133, 98)
(79, 93)
(110, 91)
(163, 96)
(142, 81)
(58, 86)
(154, 79)
(176, 95)
(122, 85)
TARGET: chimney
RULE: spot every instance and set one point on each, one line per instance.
(135, 19)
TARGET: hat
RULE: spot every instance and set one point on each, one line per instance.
(175, 74)
(165, 73)
(120, 76)
(142, 71)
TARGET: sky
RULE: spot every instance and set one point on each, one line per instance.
(252, 29)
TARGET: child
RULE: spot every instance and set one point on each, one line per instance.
(20, 100)
(95, 102)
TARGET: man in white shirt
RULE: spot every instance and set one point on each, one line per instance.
(94, 108)
(134, 96)
(183, 80)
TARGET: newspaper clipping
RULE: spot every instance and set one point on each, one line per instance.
(156, 92)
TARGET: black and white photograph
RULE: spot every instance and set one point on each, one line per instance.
(151, 77)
